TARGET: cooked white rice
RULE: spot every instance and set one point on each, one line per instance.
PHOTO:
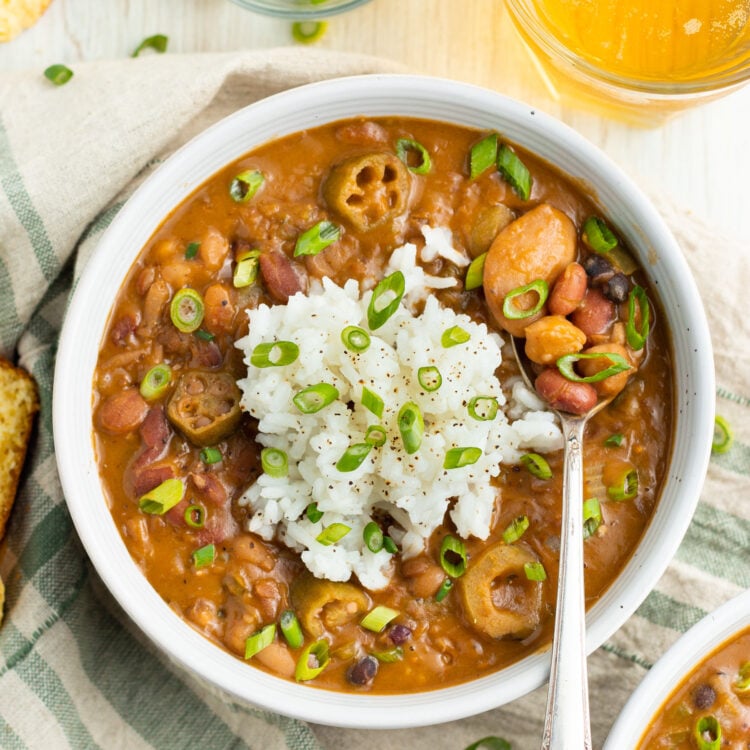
(414, 490)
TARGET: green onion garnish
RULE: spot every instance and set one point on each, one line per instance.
(535, 571)
(592, 517)
(390, 656)
(317, 238)
(411, 426)
(707, 733)
(312, 513)
(444, 590)
(386, 297)
(483, 408)
(454, 336)
(290, 629)
(516, 529)
(490, 743)
(453, 556)
(186, 310)
(58, 74)
(741, 685)
(260, 640)
(429, 378)
(355, 339)
(274, 462)
(378, 618)
(614, 440)
(274, 354)
(637, 335)
(389, 545)
(456, 458)
(353, 457)
(157, 42)
(375, 435)
(536, 465)
(195, 516)
(372, 402)
(332, 534)
(483, 155)
(315, 397)
(475, 273)
(204, 335)
(211, 456)
(565, 366)
(307, 32)
(192, 250)
(246, 269)
(512, 312)
(155, 382)
(373, 537)
(626, 487)
(408, 150)
(159, 500)
(245, 185)
(723, 437)
(204, 556)
(312, 661)
(598, 236)
(514, 172)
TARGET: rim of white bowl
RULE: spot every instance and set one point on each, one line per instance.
(288, 112)
(674, 666)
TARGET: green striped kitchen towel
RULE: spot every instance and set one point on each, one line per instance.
(74, 671)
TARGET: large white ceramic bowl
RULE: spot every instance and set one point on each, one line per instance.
(666, 675)
(306, 107)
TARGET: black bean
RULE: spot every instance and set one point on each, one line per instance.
(363, 672)
(596, 266)
(399, 634)
(704, 696)
(617, 288)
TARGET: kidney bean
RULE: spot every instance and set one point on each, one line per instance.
(281, 278)
(595, 314)
(147, 477)
(209, 488)
(399, 634)
(569, 290)
(155, 430)
(559, 393)
(123, 412)
(363, 672)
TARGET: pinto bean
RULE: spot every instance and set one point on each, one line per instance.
(219, 310)
(277, 658)
(612, 385)
(559, 393)
(210, 489)
(595, 314)
(269, 598)
(569, 290)
(213, 249)
(425, 577)
(157, 296)
(249, 548)
(123, 329)
(552, 337)
(123, 412)
(281, 278)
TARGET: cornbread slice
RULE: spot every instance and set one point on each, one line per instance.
(17, 15)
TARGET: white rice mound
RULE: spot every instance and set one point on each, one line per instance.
(415, 490)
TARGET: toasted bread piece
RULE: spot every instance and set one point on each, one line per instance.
(19, 402)
(17, 15)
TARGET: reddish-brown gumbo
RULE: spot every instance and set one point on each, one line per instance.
(230, 247)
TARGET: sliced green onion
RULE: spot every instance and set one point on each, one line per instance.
(429, 378)
(707, 733)
(315, 397)
(514, 172)
(626, 488)
(373, 537)
(723, 437)
(155, 382)
(192, 250)
(537, 465)
(312, 513)
(245, 185)
(512, 312)
(454, 336)
(274, 462)
(211, 456)
(204, 556)
(405, 147)
(614, 440)
(157, 42)
(58, 74)
(355, 339)
(375, 435)
(353, 457)
(565, 366)
(246, 269)
(598, 236)
(290, 629)
(390, 656)
(274, 354)
(741, 685)
(195, 516)
(622, 260)
(307, 32)
(312, 661)
(260, 640)
(456, 458)
(444, 590)
(483, 155)
(411, 426)
(637, 336)
(535, 571)
(483, 408)
(159, 500)
(378, 618)
(332, 534)
(317, 238)
(186, 310)
(475, 273)
(204, 335)
(372, 402)
(386, 297)
(592, 516)
(389, 545)
(453, 556)
(516, 529)
(490, 743)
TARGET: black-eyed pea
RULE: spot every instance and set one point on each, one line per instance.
(562, 394)
(569, 290)
(611, 386)
(552, 337)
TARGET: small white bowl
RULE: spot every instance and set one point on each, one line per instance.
(306, 107)
(684, 656)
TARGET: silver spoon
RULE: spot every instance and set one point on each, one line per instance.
(567, 725)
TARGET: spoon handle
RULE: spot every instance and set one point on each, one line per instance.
(567, 724)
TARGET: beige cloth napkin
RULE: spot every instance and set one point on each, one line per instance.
(74, 672)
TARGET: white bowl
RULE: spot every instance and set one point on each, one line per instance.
(306, 107)
(686, 654)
